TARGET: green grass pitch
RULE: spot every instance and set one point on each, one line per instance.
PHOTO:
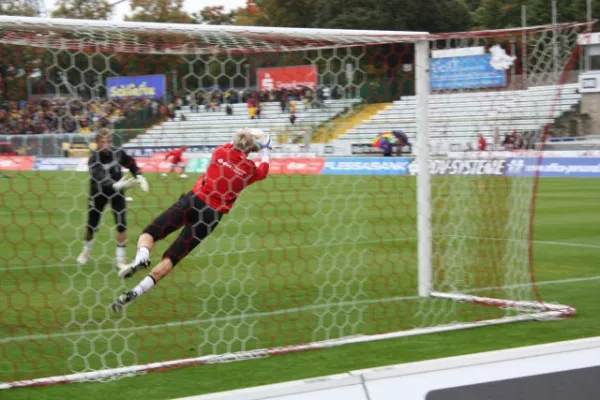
(321, 249)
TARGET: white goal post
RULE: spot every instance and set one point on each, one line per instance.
(306, 261)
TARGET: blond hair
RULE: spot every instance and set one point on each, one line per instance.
(102, 133)
(244, 140)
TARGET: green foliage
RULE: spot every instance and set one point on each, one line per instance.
(159, 11)
(498, 14)
(83, 9)
(17, 7)
(288, 13)
(214, 15)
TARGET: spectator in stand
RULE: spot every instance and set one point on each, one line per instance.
(401, 142)
(517, 140)
(508, 142)
(171, 111)
(283, 104)
(481, 143)
(83, 126)
(292, 118)
(192, 102)
(387, 147)
(251, 109)
(258, 107)
(65, 115)
(228, 110)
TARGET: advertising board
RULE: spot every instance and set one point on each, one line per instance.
(149, 86)
(287, 77)
(470, 72)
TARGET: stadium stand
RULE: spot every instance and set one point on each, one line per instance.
(458, 118)
(214, 127)
(455, 118)
(64, 115)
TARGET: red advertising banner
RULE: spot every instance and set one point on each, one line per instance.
(305, 166)
(287, 77)
(16, 163)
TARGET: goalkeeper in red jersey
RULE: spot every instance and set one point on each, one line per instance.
(199, 211)
(176, 161)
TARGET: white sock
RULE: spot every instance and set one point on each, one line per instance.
(142, 254)
(146, 284)
(120, 253)
(87, 244)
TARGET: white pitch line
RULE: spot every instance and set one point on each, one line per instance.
(283, 248)
(540, 283)
(549, 242)
(313, 307)
(228, 318)
(231, 252)
(568, 244)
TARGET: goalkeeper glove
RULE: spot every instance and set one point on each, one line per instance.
(143, 183)
(124, 183)
(265, 143)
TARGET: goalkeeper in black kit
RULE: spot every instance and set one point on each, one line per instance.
(107, 184)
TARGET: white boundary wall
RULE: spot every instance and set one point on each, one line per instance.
(413, 381)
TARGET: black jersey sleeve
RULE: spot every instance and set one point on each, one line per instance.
(128, 162)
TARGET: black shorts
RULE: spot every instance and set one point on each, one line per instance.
(96, 204)
(198, 221)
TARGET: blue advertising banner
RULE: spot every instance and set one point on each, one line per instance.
(151, 86)
(468, 72)
(463, 166)
(366, 166)
(581, 167)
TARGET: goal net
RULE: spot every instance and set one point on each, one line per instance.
(327, 250)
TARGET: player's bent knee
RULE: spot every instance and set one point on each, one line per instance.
(173, 257)
(153, 231)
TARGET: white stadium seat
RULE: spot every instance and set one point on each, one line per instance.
(454, 118)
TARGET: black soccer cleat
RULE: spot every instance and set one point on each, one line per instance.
(123, 300)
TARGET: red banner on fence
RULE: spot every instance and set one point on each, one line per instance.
(287, 77)
(16, 163)
(306, 166)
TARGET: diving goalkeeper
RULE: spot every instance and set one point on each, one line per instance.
(107, 184)
(200, 210)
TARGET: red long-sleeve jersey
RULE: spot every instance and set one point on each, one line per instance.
(481, 144)
(227, 175)
(175, 155)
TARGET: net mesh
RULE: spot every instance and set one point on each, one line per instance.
(302, 257)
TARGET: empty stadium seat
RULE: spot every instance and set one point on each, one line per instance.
(215, 127)
(458, 118)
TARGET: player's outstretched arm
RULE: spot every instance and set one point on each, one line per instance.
(128, 162)
(263, 168)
